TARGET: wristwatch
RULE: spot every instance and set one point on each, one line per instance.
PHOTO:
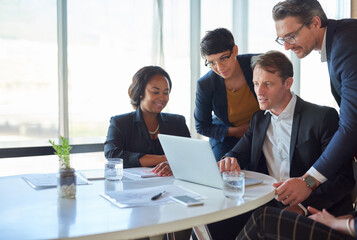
(310, 182)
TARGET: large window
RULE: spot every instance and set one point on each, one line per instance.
(261, 27)
(176, 55)
(108, 41)
(107, 44)
(28, 76)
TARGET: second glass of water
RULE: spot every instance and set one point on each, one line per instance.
(114, 169)
(234, 184)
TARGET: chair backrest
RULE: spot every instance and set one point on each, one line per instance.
(354, 190)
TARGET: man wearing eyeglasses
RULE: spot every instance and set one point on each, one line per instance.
(302, 26)
(226, 90)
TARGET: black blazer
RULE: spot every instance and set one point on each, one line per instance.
(129, 139)
(211, 96)
(313, 127)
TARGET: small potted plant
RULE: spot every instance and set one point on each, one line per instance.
(66, 178)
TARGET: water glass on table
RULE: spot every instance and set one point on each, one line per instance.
(233, 184)
(114, 169)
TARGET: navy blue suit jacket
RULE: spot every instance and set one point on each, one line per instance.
(341, 47)
(211, 96)
(313, 127)
(129, 139)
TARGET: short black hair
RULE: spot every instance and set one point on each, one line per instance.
(305, 10)
(140, 79)
(216, 41)
(274, 61)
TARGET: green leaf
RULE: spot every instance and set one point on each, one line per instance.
(62, 150)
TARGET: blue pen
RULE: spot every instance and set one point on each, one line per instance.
(157, 196)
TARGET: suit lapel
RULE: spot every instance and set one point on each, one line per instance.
(295, 126)
(330, 31)
(331, 28)
(263, 129)
(260, 134)
(164, 128)
(138, 119)
(221, 99)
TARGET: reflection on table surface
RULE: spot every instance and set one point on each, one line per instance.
(27, 213)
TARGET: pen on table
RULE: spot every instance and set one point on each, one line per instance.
(157, 196)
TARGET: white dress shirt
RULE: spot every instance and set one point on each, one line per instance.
(276, 147)
(323, 52)
(312, 171)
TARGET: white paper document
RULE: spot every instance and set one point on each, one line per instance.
(252, 181)
(142, 196)
(142, 172)
(93, 174)
(49, 180)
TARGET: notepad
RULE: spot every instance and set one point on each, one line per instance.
(49, 180)
(142, 172)
(252, 181)
(93, 174)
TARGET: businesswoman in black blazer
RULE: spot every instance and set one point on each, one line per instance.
(134, 136)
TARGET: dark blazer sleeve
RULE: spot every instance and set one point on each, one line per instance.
(119, 139)
(241, 151)
(248, 150)
(205, 100)
(334, 194)
(341, 45)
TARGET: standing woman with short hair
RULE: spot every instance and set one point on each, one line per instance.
(226, 90)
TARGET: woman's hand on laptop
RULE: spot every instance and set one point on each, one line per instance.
(228, 164)
(162, 169)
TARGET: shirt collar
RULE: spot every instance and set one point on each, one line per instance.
(139, 116)
(323, 49)
(288, 111)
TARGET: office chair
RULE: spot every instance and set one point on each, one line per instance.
(354, 190)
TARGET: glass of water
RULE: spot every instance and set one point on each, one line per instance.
(234, 184)
(114, 169)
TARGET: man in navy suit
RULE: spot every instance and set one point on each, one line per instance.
(302, 26)
(284, 140)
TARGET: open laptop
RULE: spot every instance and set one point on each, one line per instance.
(193, 160)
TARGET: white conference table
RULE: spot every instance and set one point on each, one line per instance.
(26, 213)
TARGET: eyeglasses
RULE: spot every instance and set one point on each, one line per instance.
(289, 39)
(222, 60)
